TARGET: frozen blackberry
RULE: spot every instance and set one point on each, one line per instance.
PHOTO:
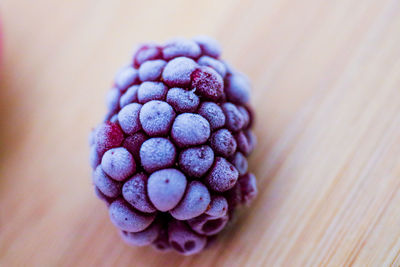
(170, 159)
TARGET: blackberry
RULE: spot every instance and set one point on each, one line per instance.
(170, 159)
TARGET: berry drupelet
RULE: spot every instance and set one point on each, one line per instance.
(170, 158)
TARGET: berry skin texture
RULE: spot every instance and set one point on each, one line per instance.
(223, 175)
(135, 193)
(108, 135)
(151, 91)
(166, 188)
(118, 163)
(178, 71)
(182, 100)
(213, 113)
(190, 129)
(208, 83)
(194, 202)
(170, 158)
(128, 118)
(157, 153)
(223, 143)
(127, 219)
(156, 117)
(196, 161)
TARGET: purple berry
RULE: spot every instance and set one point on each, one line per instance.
(242, 143)
(135, 193)
(196, 161)
(177, 72)
(112, 99)
(170, 159)
(194, 202)
(184, 240)
(129, 96)
(108, 135)
(166, 188)
(223, 175)
(234, 118)
(128, 118)
(94, 157)
(157, 153)
(208, 225)
(217, 65)
(218, 207)
(245, 115)
(127, 219)
(146, 52)
(156, 117)
(143, 238)
(105, 184)
(237, 89)
(208, 45)
(126, 77)
(118, 163)
(182, 100)
(181, 47)
(208, 83)
(133, 143)
(248, 187)
(223, 143)
(240, 162)
(251, 139)
(151, 70)
(190, 129)
(213, 113)
(151, 91)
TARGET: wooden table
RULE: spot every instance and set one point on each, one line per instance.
(326, 77)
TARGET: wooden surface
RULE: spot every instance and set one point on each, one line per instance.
(326, 78)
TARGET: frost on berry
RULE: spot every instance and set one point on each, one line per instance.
(128, 118)
(108, 135)
(157, 153)
(223, 143)
(178, 71)
(146, 52)
(222, 176)
(105, 184)
(170, 158)
(213, 113)
(208, 83)
(194, 202)
(156, 117)
(183, 100)
(129, 96)
(208, 45)
(196, 161)
(125, 218)
(181, 47)
(190, 129)
(151, 70)
(126, 77)
(134, 192)
(217, 65)
(118, 163)
(151, 91)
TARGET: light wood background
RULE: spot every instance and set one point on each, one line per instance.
(326, 78)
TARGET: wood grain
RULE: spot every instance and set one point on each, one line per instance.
(326, 78)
